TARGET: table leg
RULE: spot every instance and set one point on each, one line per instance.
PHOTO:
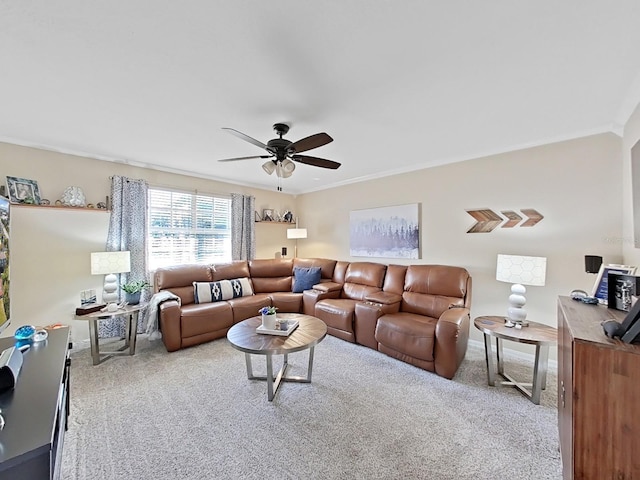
(127, 332)
(539, 373)
(93, 339)
(310, 368)
(274, 382)
(247, 359)
(491, 378)
(270, 391)
(500, 356)
(133, 332)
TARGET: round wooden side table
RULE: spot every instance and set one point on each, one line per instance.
(538, 334)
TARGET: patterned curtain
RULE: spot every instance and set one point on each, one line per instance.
(243, 228)
(128, 231)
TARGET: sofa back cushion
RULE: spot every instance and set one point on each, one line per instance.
(228, 271)
(394, 279)
(326, 265)
(271, 275)
(431, 289)
(362, 279)
(179, 280)
(208, 292)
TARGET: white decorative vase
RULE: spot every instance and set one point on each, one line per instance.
(73, 197)
(269, 321)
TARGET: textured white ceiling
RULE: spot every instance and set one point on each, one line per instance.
(399, 85)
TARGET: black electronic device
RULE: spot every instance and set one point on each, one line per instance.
(10, 365)
(629, 330)
(622, 291)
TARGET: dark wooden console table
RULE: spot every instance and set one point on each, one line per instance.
(598, 392)
(36, 410)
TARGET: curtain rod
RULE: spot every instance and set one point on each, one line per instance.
(180, 189)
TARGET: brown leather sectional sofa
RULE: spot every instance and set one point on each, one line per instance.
(417, 313)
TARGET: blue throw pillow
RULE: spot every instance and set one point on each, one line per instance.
(304, 278)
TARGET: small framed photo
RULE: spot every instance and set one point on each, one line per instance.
(601, 286)
(22, 190)
(267, 215)
(257, 216)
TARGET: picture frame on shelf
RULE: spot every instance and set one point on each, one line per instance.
(267, 215)
(257, 217)
(23, 190)
(601, 285)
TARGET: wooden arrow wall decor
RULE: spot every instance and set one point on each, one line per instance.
(487, 220)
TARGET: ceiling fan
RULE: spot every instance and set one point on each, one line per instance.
(281, 152)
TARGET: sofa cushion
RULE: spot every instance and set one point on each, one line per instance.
(207, 292)
(407, 333)
(304, 278)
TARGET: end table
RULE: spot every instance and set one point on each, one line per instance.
(130, 312)
(538, 334)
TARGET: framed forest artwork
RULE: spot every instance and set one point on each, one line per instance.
(389, 232)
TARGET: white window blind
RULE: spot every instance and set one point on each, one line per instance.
(188, 228)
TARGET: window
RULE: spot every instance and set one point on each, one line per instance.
(188, 228)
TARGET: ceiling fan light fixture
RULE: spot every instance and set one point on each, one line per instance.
(285, 168)
(269, 167)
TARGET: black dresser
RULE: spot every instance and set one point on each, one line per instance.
(36, 410)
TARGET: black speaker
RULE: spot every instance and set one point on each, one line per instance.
(592, 263)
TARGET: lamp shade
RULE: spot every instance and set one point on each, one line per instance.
(522, 270)
(269, 167)
(285, 168)
(104, 263)
(296, 233)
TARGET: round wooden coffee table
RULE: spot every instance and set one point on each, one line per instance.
(307, 335)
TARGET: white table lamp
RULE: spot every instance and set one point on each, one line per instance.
(296, 233)
(108, 264)
(520, 271)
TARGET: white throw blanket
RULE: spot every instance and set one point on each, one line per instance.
(152, 312)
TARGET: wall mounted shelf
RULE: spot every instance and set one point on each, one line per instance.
(277, 223)
(58, 207)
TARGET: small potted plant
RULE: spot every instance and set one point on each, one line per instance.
(268, 317)
(133, 290)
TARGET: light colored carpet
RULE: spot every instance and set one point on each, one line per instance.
(193, 414)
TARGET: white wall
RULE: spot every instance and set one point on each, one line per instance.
(50, 252)
(576, 185)
(630, 137)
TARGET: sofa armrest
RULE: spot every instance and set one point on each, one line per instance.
(384, 298)
(328, 287)
(311, 297)
(452, 336)
(169, 314)
(364, 326)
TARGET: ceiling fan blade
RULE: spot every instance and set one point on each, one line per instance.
(244, 158)
(316, 162)
(313, 141)
(246, 138)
